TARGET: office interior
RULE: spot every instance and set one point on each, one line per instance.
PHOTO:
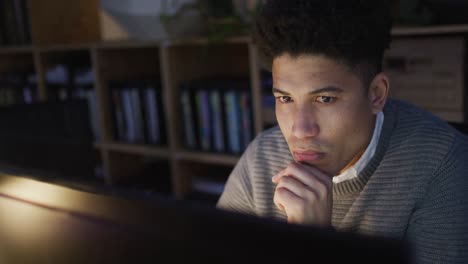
(151, 99)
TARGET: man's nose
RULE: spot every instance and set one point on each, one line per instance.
(305, 124)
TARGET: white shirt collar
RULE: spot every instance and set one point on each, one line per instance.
(353, 171)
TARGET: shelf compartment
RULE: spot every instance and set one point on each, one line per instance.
(138, 149)
(208, 158)
(137, 172)
(429, 30)
(202, 181)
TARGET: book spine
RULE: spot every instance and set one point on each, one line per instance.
(130, 135)
(218, 133)
(137, 115)
(152, 115)
(119, 115)
(204, 119)
(189, 128)
(232, 112)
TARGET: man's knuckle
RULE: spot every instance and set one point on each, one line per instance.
(311, 196)
(286, 180)
(322, 190)
(281, 191)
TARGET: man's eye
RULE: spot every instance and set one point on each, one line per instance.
(284, 99)
(325, 99)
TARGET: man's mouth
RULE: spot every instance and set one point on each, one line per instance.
(308, 155)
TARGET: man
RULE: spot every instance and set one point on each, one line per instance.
(344, 155)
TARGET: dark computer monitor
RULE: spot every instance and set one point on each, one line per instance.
(47, 223)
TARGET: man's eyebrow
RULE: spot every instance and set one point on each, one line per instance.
(328, 89)
(277, 90)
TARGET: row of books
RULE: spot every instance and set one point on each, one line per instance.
(63, 79)
(217, 115)
(89, 94)
(18, 88)
(14, 22)
(67, 82)
(138, 111)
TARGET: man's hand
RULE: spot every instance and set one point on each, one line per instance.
(305, 194)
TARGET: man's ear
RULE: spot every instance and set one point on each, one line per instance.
(378, 92)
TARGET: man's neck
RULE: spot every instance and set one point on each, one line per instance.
(360, 152)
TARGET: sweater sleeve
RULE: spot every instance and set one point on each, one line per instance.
(438, 229)
(238, 195)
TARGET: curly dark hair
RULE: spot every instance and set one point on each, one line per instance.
(353, 32)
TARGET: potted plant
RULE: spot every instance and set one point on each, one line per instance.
(216, 19)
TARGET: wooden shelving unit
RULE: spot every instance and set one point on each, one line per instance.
(174, 61)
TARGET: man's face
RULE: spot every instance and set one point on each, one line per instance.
(323, 111)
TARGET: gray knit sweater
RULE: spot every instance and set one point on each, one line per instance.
(415, 186)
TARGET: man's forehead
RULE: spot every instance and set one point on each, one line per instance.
(309, 78)
(311, 68)
(306, 75)
(291, 76)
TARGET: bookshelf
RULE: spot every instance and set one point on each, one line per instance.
(429, 30)
(193, 59)
(173, 62)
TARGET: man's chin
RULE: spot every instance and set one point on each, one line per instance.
(320, 166)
